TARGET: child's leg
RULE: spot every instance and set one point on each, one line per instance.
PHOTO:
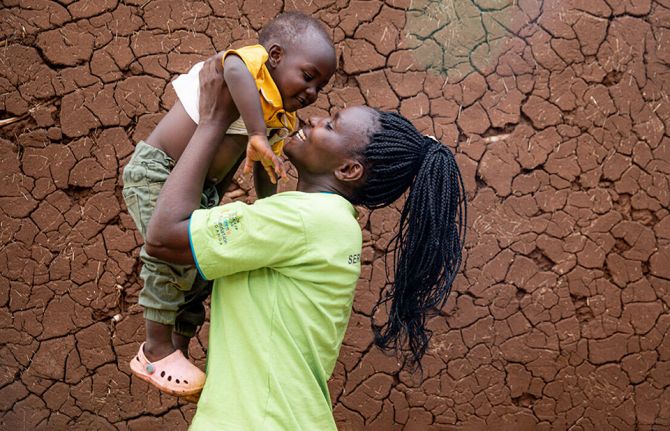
(165, 287)
(191, 314)
(164, 284)
(157, 360)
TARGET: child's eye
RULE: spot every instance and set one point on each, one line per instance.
(307, 77)
(329, 125)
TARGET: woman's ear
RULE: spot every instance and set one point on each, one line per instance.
(350, 171)
(275, 55)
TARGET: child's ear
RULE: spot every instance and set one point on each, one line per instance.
(275, 55)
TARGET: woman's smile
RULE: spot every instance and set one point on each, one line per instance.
(299, 135)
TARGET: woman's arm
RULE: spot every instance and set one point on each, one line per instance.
(167, 233)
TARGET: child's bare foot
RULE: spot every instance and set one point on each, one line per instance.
(159, 341)
(181, 342)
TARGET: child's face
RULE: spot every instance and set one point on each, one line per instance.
(302, 71)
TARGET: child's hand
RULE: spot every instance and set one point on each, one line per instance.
(259, 150)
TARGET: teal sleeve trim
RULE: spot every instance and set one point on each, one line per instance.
(190, 243)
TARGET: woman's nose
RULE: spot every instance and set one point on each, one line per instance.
(314, 121)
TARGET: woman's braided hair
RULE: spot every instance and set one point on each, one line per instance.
(427, 247)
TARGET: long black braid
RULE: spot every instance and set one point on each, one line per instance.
(427, 248)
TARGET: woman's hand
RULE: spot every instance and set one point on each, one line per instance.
(216, 104)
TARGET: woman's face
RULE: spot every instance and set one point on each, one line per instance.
(325, 143)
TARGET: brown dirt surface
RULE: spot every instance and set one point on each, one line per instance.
(559, 115)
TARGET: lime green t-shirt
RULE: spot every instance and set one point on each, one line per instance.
(284, 271)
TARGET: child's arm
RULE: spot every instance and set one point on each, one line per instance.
(245, 95)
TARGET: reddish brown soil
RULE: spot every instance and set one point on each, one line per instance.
(559, 114)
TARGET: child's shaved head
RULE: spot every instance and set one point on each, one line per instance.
(301, 57)
(289, 27)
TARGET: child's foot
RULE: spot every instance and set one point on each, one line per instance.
(164, 366)
(157, 351)
(174, 374)
(159, 341)
(181, 342)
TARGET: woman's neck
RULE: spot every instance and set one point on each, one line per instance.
(316, 186)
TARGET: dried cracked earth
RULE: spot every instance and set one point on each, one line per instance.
(558, 112)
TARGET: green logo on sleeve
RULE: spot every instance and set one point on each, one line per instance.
(227, 223)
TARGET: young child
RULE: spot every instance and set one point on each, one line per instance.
(267, 83)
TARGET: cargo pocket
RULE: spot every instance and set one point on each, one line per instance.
(133, 205)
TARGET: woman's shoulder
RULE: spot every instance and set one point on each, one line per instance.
(310, 202)
(326, 222)
(312, 208)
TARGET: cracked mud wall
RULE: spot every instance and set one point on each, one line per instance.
(559, 115)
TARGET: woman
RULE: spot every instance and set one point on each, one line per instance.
(285, 268)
